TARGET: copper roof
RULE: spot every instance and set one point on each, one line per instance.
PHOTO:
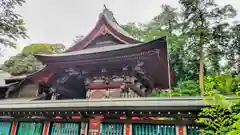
(92, 50)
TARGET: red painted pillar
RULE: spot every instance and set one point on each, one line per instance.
(181, 130)
(128, 129)
(84, 128)
(46, 128)
(94, 125)
(14, 128)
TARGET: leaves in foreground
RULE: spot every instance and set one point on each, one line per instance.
(11, 24)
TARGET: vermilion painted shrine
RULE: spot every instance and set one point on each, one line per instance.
(99, 87)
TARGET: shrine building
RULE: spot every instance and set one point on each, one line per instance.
(100, 86)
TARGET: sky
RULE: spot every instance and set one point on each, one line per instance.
(60, 21)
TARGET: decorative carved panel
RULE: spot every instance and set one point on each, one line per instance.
(96, 94)
(114, 93)
(110, 93)
(129, 94)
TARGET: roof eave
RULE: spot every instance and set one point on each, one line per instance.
(155, 44)
(136, 104)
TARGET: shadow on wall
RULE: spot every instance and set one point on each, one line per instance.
(69, 85)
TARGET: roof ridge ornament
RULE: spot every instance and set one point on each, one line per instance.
(107, 13)
(104, 6)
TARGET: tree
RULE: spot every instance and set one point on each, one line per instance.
(183, 88)
(233, 49)
(167, 20)
(199, 16)
(43, 49)
(221, 37)
(11, 23)
(136, 30)
(26, 63)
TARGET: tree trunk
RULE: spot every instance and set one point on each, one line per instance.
(169, 28)
(201, 70)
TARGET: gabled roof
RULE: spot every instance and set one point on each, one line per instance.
(106, 24)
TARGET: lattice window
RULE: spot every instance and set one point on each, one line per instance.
(30, 128)
(5, 128)
(111, 129)
(96, 94)
(193, 130)
(65, 128)
(151, 129)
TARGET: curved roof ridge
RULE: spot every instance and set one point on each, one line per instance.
(109, 16)
(105, 17)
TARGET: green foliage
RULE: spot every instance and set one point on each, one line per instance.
(225, 83)
(22, 64)
(201, 20)
(221, 117)
(185, 88)
(11, 23)
(167, 20)
(136, 30)
(235, 126)
(26, 63)
(233, 50)
(43, 49)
